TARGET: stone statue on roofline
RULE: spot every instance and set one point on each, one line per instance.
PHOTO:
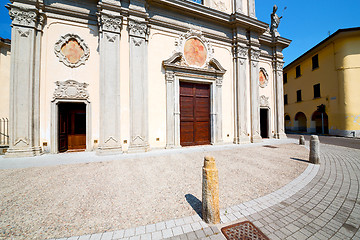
(275, 21)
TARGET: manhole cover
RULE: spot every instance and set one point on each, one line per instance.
(243, 231)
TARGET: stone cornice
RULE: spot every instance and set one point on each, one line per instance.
(272, 42)
(194, 9)
(67, 12)
(247, 22)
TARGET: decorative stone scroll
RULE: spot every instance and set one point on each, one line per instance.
(72, 50)
(263, 78)
(71, 89)
(264, 101)
(195, 49)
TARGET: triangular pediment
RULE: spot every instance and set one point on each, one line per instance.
(177, 61)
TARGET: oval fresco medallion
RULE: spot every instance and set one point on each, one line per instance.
(262, 79)
(195, 52)
(72, 51)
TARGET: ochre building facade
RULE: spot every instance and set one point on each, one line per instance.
(321, 87)
(127, 76)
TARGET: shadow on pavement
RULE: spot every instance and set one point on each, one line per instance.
(299, 159)
(195, 203)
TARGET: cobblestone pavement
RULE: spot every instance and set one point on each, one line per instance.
(322, 203)
(332, 140)
(327, 208)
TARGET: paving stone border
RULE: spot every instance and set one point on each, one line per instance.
(245, 209)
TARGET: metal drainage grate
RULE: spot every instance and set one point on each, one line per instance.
(243, 231)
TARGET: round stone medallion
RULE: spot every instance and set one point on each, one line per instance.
(195, 52)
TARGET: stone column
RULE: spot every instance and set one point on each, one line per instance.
(241, 56)
(170, 108)
(279, 100)
(109, 33)
(251, 8)
(138, 34)
(254, 96)
(218, 125)
(238, 7)
(24, 132)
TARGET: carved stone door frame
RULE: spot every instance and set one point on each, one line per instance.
(264, 104)
(174, 73)
(69, 91)
(55, 123)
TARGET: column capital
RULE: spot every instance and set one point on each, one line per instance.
(254, 56)
(219, 81)
(23, 16)
(138, 28)
(109, 22)
(240, 51)
(279, 65)
(169, 76)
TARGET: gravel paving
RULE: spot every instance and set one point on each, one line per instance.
(86, 198)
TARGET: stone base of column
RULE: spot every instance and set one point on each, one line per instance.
(221, 142)
(244, 140)
(23, 152)
(134, 148)
(256, 139)
(171, 146)
(108, 150)
(280, 135)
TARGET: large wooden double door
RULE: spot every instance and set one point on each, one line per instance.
(194, 114)
(72, 126)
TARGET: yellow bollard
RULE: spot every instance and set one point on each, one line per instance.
(210, 192)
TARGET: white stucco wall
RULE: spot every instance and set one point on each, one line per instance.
(223, 54)
(4, 80)
(161, 47)
(53, 70)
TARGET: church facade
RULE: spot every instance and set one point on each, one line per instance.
(128, 76)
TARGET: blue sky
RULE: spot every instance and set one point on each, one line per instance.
(305, 22)
(308, 22)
